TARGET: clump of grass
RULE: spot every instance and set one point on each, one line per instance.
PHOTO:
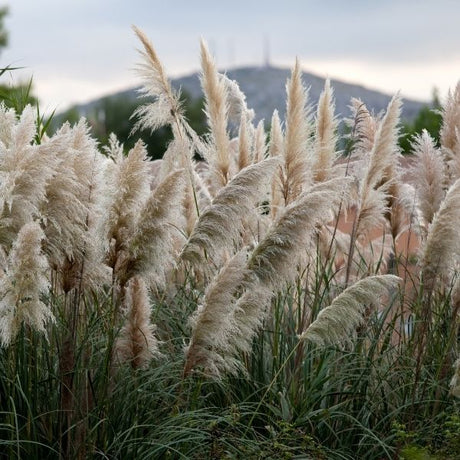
(198, 311)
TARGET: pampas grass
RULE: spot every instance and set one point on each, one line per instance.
(297, 161)
(25, 171)
(274, 260)
(244, 145)
(107, 258)
(218, 228)
(150, 249)
(212, 323)
(338, 322)
(130, 182)
(216, 107)
(166, 108)
(449, 133)
(429, 174)
(325, 136)
(137, 344)
(275, 149)
(442, 247)
(23, 285)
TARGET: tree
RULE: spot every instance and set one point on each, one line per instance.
(19, 95)
(429, 118)
(113, 114)
(3, 31)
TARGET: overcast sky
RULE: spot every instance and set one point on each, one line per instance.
(77, 50)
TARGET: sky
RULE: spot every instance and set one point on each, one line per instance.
(79, 50)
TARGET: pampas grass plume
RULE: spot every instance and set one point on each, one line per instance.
(151, 247)
(325, 136)
(340, 319)
(137, 343)
(219, 226)
(274, 259)
(23, 284)
(166, 108)
(429, 175)
(212, 324)
(298, 129)
(216, 107)
(442, 246)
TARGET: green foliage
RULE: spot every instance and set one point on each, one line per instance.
(113, 114)
(428, 118)
(3, 31)
(18, 95)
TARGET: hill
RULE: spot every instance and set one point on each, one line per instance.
(265, 91)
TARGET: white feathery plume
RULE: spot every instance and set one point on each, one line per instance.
(75, 214)
(23, 284)
(429, 176)
(449, 133)
(244, 145)
(221, 223)
(297, 162)
(130, 189)
(216, 108)
(276, 144)
(363, 128)
(325, 136)
(336, 323)
(275, 149)
(250, 311)
(25, 170)
(237, 107)
(259, 147)
(166, 108)
(274, 260)
(442, 245)
(7, 122)
(150, 249)
(137, 344)
(380, 173)
(212, 324)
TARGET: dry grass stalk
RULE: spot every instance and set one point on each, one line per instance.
(455, 382)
